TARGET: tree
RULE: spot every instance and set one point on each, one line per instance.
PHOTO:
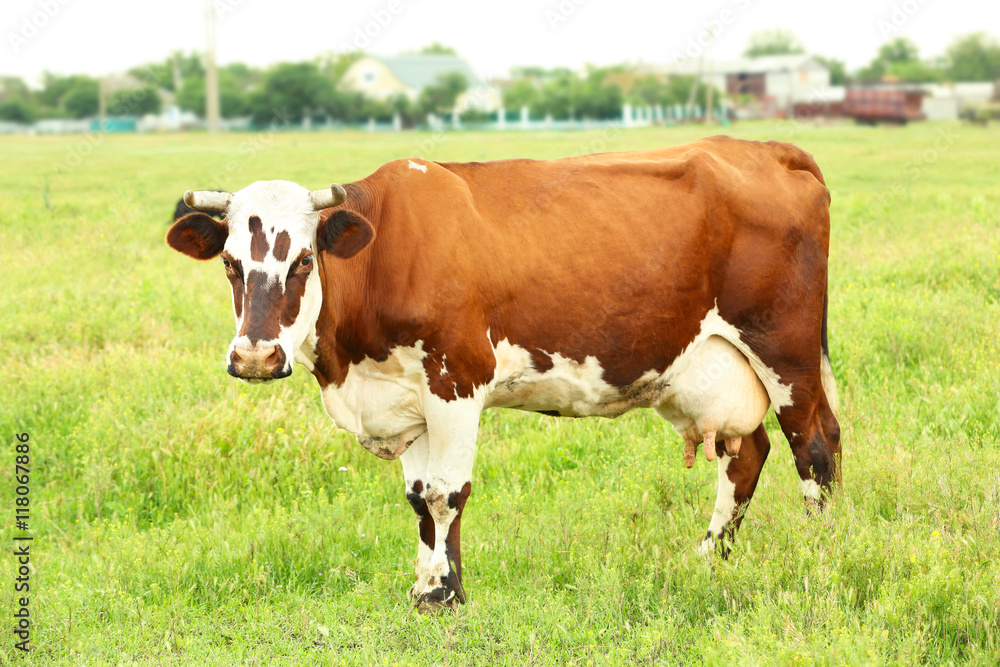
(289, 90)
(233, 100)
(773, 43)
(522, 93)
(438, 49)
(558, 97)
(916, 71)
(161, 75)
(55, 87)
(333, 65)
(838, 70)
(900, 59)
(651, 90)
(974, 57)
(16, 104)
(899, 50)
(74, 96)
(539, 73)
(349, 106)
(654, 91)
(17, 110)
(134, 102)
(81, 101)
(440, 96)
(12, 86)
(597, 98)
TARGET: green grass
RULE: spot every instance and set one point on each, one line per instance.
(182, 518)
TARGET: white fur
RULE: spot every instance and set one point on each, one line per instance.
(414, 461)
(452, 428)
(716, 381)
(725, 507)
(714, 391)
(418, 167)
(382, 402)
(281, 206)
(391, 409)
(810, 489)
(829, 385)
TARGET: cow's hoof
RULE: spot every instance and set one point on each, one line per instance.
(435, 601)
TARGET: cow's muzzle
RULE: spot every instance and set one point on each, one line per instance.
(258, 362)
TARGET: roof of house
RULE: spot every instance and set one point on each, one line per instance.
(419, 71)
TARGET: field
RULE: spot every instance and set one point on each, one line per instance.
(183, 518)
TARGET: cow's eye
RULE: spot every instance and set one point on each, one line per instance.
(306, 261)
(225, 263)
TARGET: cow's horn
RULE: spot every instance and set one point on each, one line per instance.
(326, 198)
(206, 200)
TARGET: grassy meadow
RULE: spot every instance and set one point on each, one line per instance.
(183, 518)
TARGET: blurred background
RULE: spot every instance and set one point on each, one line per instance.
(184, 518)
(78, 66)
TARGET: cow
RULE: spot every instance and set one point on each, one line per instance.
(689, 279)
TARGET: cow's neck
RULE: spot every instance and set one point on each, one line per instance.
(347, 330)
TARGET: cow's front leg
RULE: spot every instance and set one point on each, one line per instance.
(414, 461)
(451, 442)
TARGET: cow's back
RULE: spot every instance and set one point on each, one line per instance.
(621, 255)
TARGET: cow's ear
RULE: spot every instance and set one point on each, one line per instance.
(344, 234)
(198, 235)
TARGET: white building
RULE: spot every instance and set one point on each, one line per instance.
(777, 81)
(383, 77)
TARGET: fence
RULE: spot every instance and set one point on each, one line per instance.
(501, 119)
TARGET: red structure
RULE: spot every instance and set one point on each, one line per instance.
(885, 105)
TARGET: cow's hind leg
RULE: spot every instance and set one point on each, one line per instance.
(737, 481)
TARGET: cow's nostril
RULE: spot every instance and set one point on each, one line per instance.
(275, 360)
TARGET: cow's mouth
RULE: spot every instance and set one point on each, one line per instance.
(258, 380)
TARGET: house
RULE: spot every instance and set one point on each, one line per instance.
(380, 78)
(768, 84)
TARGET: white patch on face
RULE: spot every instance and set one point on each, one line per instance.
(282, 206)
(725, 507)
(418, 167)
(811, 490)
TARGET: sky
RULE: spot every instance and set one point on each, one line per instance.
(107, 36)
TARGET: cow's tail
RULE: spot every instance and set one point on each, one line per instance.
(826, 370)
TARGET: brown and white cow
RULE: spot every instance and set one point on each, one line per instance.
(690, 279)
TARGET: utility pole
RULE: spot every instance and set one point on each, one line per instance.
(102, 102)
(176, 73)
(693, 95)
(708, 92)
(211, 71)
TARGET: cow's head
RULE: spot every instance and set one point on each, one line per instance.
(268, 242)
